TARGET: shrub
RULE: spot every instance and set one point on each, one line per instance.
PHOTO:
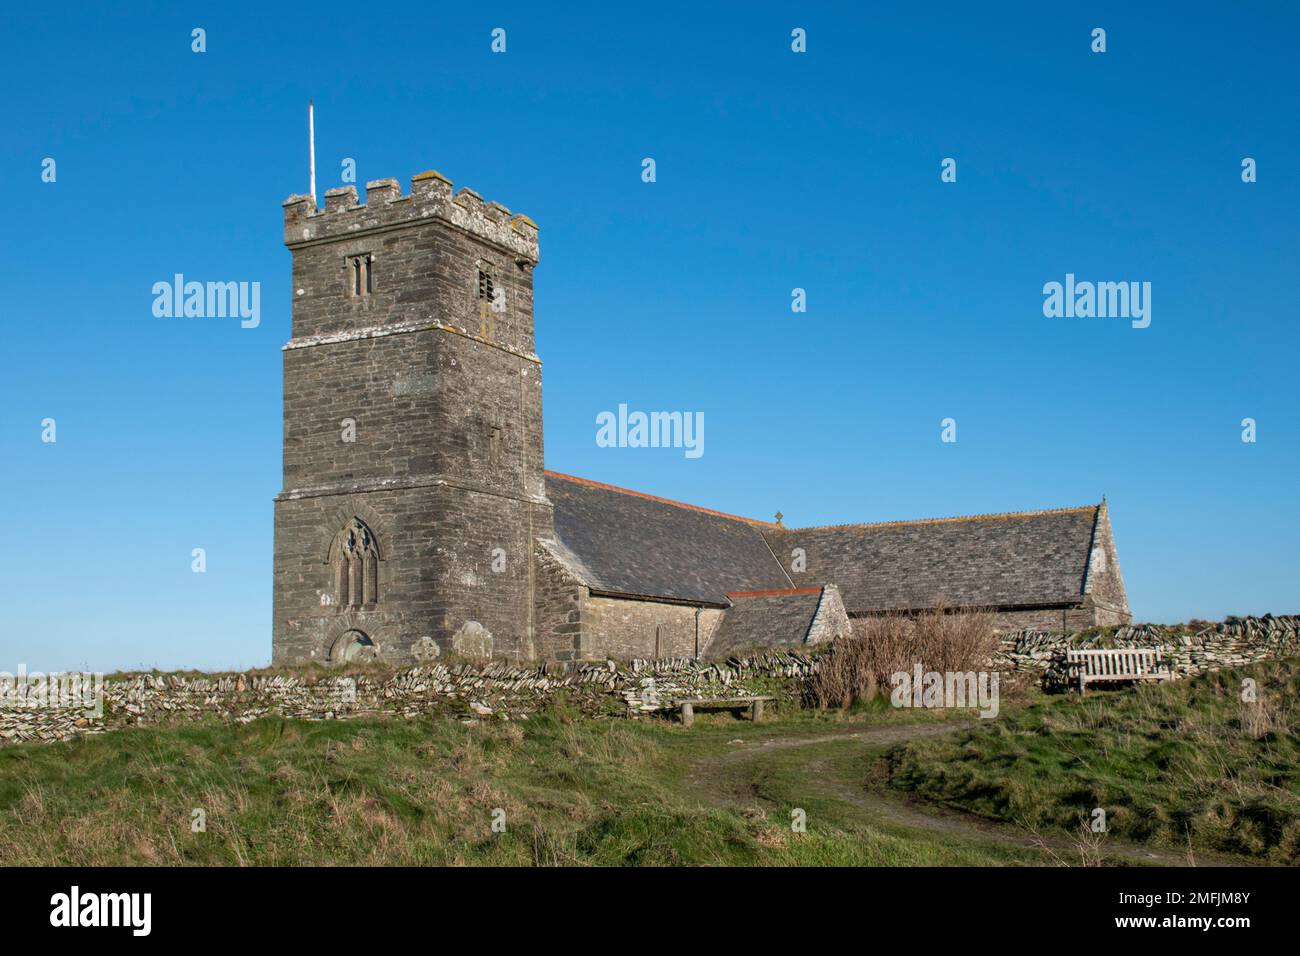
(941, 640)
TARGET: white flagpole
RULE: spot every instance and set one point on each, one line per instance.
(311, 145)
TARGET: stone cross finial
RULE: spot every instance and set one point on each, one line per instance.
(779, 516)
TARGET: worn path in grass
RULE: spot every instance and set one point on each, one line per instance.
(835, 765)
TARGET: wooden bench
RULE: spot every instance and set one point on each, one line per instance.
(687, 706)
(1116, 664)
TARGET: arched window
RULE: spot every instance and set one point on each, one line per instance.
(355, 560)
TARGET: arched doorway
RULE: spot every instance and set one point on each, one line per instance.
(349, 646)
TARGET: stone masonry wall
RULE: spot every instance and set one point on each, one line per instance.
(1103, 581)
(625, 629)
(416, 407)
(832, 620)
(426, 248)
(1047, 619)
(561, 606)
(419, 404)
(437, 573)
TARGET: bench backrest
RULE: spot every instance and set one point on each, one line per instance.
(1116, 661)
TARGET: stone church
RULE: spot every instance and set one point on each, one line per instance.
(417, 522)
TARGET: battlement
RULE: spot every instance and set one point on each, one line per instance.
(386, 207)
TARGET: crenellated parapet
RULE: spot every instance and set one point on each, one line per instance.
(385, 206)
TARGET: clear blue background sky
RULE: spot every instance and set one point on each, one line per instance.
(775, 170)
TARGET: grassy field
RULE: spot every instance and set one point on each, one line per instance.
(1184, 764)
(573, 791)
(1176, 766)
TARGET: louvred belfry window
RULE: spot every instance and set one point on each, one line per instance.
(361, 279)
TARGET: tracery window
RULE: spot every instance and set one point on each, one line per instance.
(355, 558)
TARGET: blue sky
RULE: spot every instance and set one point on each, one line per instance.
(775, 170)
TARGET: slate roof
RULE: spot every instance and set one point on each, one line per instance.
(765, 619)
(630, 543)
(1025, 559)
(626, 542)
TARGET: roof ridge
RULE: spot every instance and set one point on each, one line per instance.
(666, 501)
(1000, 515)
(774, 592)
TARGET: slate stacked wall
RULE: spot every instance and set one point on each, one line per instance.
(1236, 642)
(462, 691)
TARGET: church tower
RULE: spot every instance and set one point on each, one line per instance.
(413, 487)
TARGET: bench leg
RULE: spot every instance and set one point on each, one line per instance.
(688, 715)
(756, 712)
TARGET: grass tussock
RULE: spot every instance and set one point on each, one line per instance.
(1188, 764)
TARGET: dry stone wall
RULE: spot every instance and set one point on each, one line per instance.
(1235, 642)
(509, 692)
(463, 691)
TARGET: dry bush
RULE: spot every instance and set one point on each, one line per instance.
(1259, 718)
(846, 672)
(1089, 846)
(939, 640)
